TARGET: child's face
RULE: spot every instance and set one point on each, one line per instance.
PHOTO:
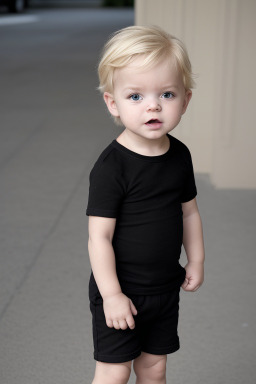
(149, 102)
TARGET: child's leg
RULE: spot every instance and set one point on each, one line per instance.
(110, 373)
(150, 369)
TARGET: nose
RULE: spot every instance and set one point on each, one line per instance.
(154, 105)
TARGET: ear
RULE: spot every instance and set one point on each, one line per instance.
(187, 99)
(111, 104)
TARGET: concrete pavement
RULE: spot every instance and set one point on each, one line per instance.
(53, 126)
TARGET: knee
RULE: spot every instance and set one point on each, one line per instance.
(112, 373)
(120, 375)
(154, 370)
(158, 370)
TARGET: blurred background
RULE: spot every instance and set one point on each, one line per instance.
(53, 127)
(20, 6)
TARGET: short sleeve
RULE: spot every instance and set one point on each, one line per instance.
(105, 192)
(189, 191)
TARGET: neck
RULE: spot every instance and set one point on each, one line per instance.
(142, 145)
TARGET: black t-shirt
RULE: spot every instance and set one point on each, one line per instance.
(144, 194)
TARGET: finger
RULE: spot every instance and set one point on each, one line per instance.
(185, 284)
(191, 287)
(187, 289)
(116, 324)
(196, 288)
(130, 321)
(123, 324)
(133, 308)
(109, 323)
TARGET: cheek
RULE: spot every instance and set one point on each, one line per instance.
(130, 112)
(178, 110)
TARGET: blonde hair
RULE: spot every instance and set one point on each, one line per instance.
(151, 42)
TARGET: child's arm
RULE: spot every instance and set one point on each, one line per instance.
(194, 246)
(118, 308)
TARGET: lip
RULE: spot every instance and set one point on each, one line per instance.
(154, 123)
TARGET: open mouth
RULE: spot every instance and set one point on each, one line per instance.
(153, 121)
(154, 124)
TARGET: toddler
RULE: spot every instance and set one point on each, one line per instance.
(142, 208)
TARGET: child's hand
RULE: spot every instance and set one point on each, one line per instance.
(118, 311)
(194, 276)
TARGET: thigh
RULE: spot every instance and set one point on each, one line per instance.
(160, 335)
(112, 345)
(148, 366)
(147, 360)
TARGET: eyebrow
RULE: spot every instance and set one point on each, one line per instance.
(138, 89)
(171, 86)
(132, 88)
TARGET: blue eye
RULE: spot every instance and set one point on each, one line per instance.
(167, 95)
(135, 97)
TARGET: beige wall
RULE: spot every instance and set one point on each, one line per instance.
(219, 126)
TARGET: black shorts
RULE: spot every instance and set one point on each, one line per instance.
(155, 329)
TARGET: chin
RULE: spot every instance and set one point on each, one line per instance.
(155, 134)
